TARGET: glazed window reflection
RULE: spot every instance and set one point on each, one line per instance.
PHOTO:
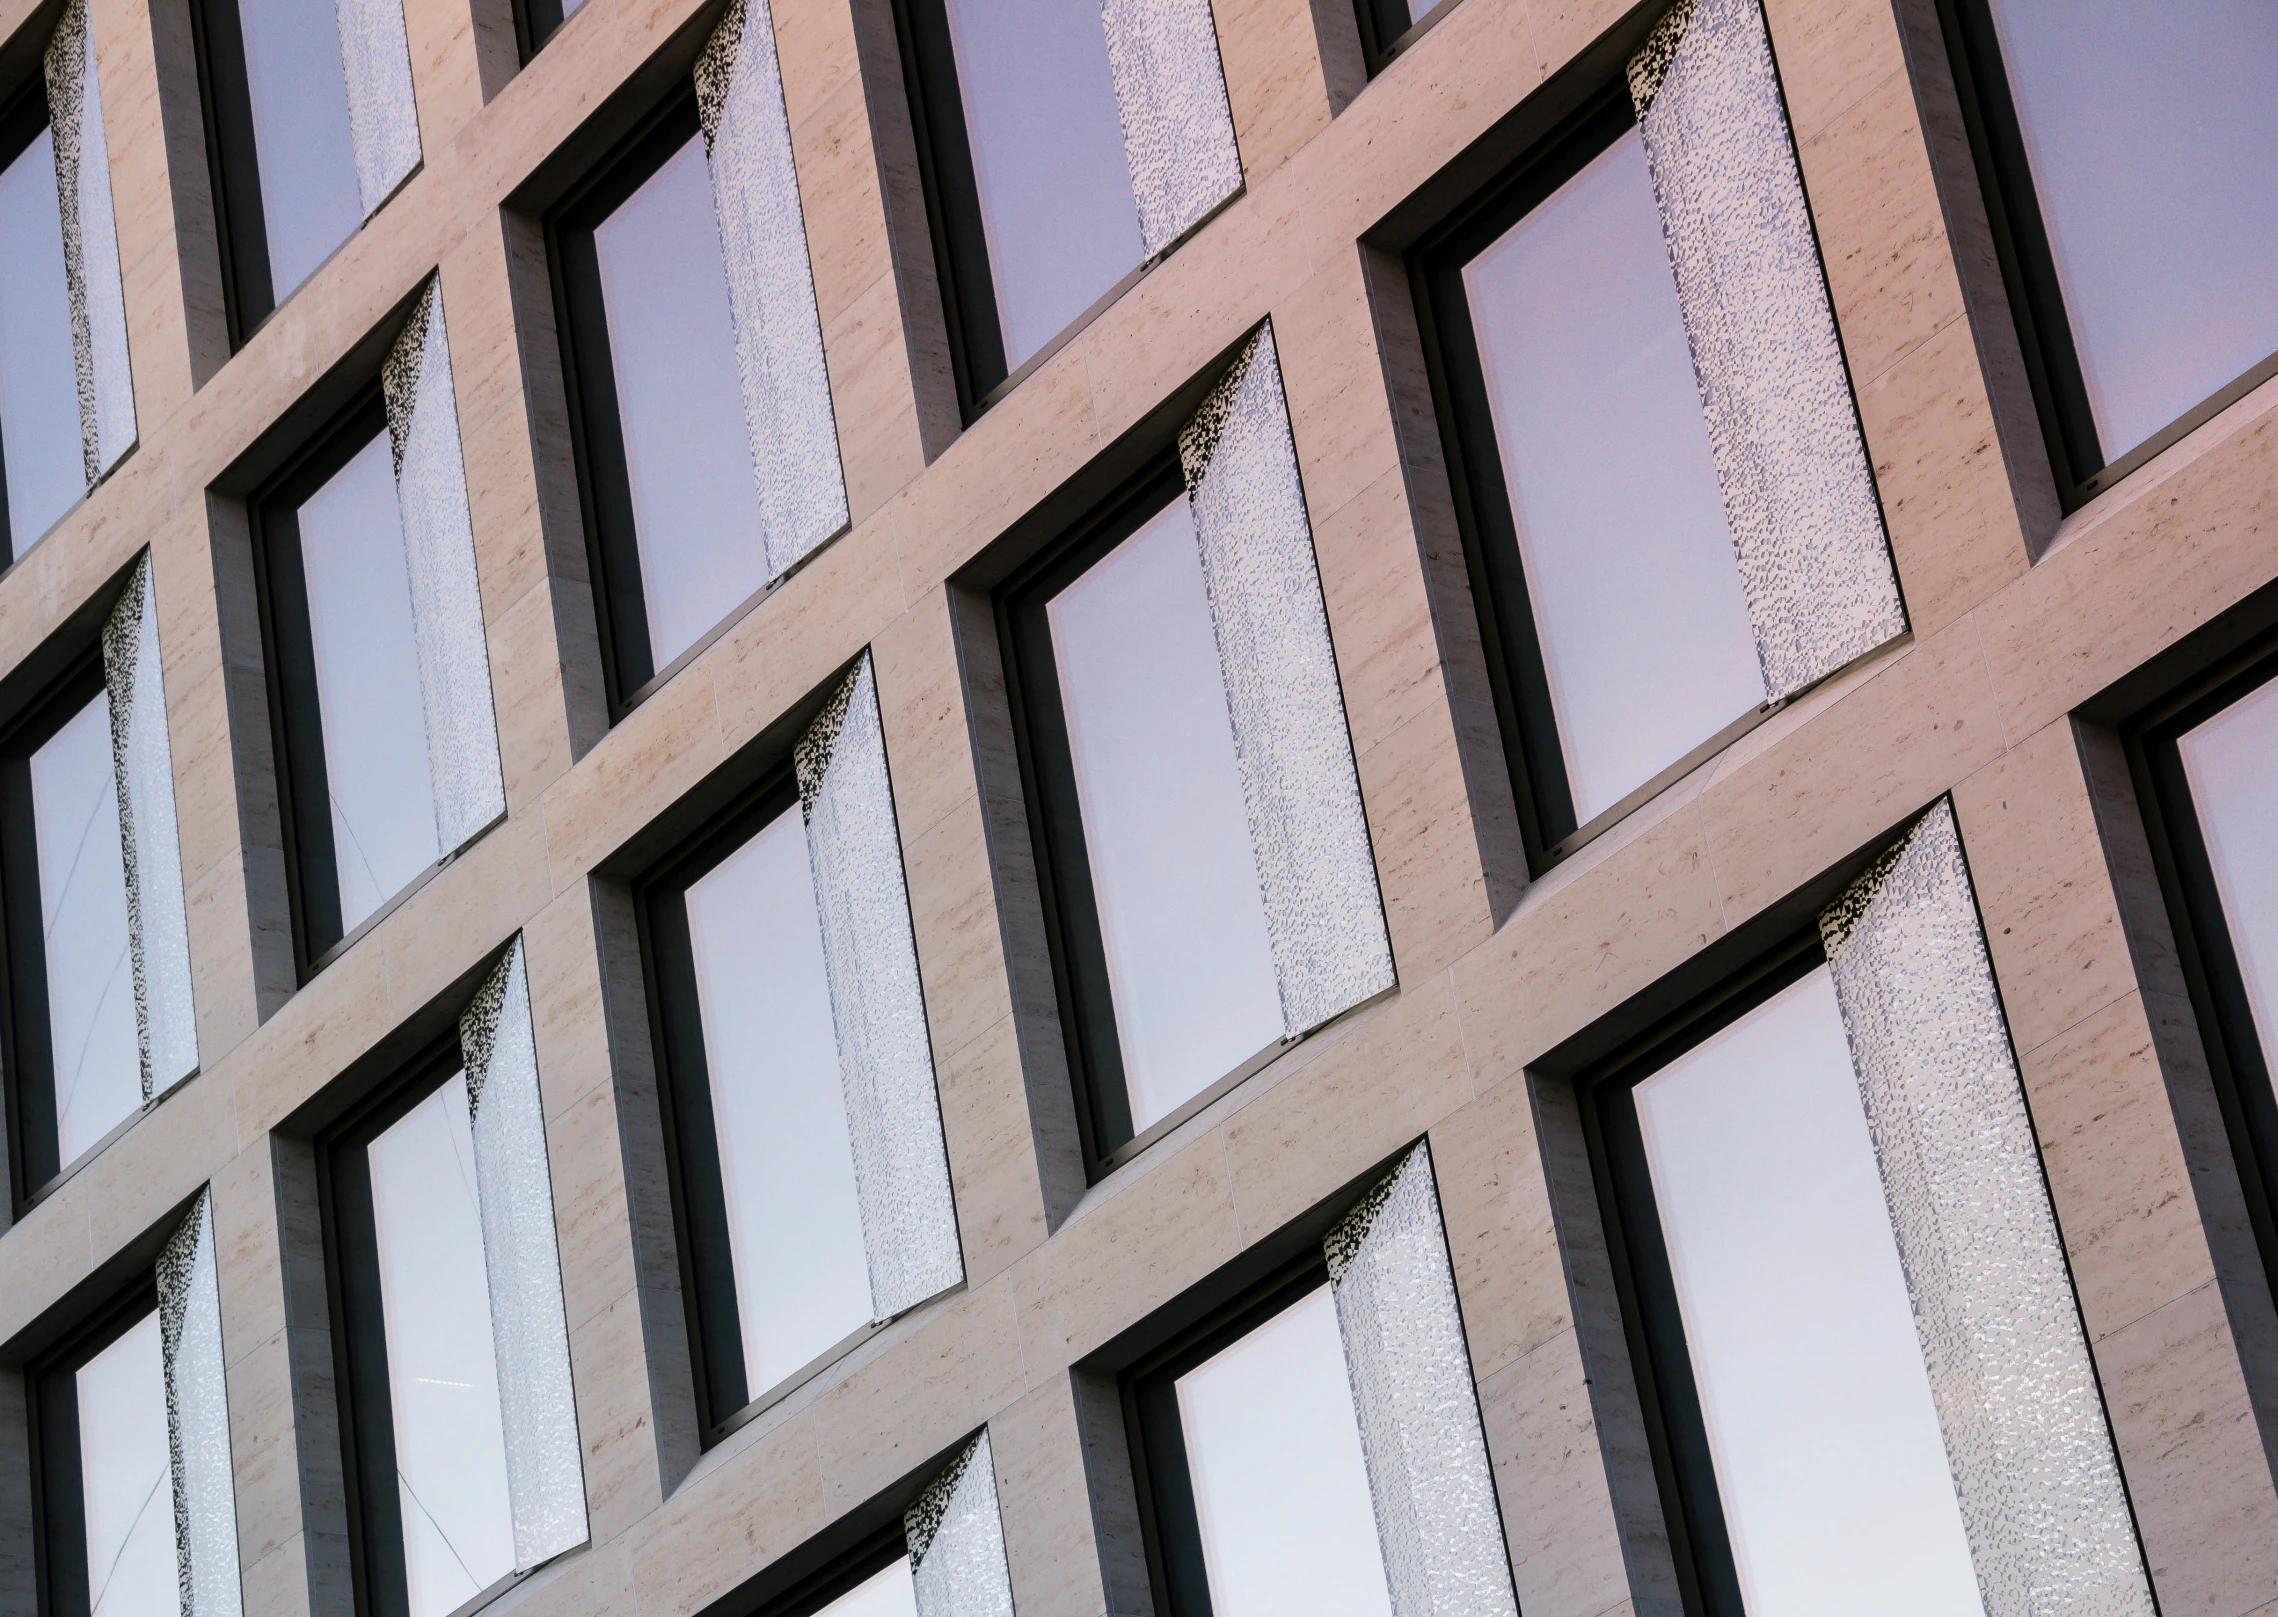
(125, 1474)
(40, 459)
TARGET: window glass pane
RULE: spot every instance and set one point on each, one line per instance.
(889, 1593)
(786, 1164)
(1628, 561)
(2153, 141)
(450, 1448)
(1047, 141)
(39, 378)
(1280, 1489)
(310, 203)
(680, 404)
(83, 908)
(1826, 1445)
(125, 1477)
(367, 683)
(2231, 762)
(1181, 913)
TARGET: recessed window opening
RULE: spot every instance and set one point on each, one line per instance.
(537, 21)
(1155, 885)
(103, 1463)
(1620, 633)
(40, 459)
(2129, 158)
(1388, 27)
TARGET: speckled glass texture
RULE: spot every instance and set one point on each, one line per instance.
(197, 1418)
(1324, 915)
(2042, 1501)
(446, 595)
(885, 1056)
(514, 1188)
(383, 119)
(91, 273)
(150, 844)
(1806, 528)
(1436, 1516)
(771, 287)
(957, 1540)
(1178, 129)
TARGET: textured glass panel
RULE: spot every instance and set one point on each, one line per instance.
(158, 923)
(123, 1471)
(439, 564)
(443, 1378)
(680, 405)
(1797, 490)
(1323, 911)
(1181, 914)
(515, 1187)
(2153, 141)
(885, 1058)
(883, 1594)
(39, 386)
(957, 1541)
(2231, 762)
(1178, 130)
(1827, 1452)
(383, 121)
(197, 1409)
(771, 1056)
(1637, 604)
(310, 200)
(90, 246)
(83, 908)
(1048, 158)
(1280, 1489)
(367, 684)
(771, 290)
(2041, 1495)
(1418, 1412)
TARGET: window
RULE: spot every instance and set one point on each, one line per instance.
(537, 20)
(85, 990)
(2129, 163)
(2206, 755)
(700, 400)
(1065, 144)
(310, 127)
(788, 1148)
(379, 670)
(134, 1487)
(61, 300)
(1211, 888)
(464, 1469)
(1388, 27)
(1849, 1305)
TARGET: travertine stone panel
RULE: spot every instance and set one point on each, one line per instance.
(1283, 92)
(1051, 1544)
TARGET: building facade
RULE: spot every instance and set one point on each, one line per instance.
(1191, 808)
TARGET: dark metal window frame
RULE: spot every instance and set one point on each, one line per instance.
(2238, 1068)
(359, 1331)
(725, 1400)
(536, 22)
(2028, 266)
(22, 116)
(59, 1491)
(26, 1048)
(241, 236)
(312, 878)
(1169, 1522)
(1063, 867)
(1386, 32)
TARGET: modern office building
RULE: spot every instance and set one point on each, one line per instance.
(1139, 808)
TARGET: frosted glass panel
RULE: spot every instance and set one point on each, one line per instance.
(367, 684)
(2231, 762)
(2153, 141)
(125, 1477)
(680, 404)
(1629, 564)
(1181, 912)
(450, 1450)
(1047, 143)
(39, 378)
(310, 203)
(96, 1051)
(1280, 1488)
(1828, 1457)
(794, 1226)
